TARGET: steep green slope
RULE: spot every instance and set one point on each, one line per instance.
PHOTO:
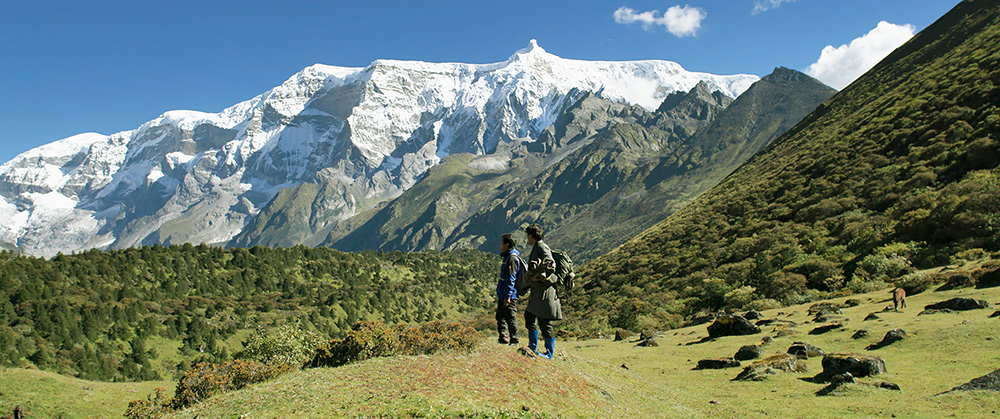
(151, 312)
(898, 171)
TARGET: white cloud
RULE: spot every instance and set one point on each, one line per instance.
(765, 5)
(681, 21)
(838, 67)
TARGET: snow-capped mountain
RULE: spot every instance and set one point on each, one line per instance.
(199, 177)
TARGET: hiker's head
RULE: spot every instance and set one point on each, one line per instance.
(507, 243)
(534, 233)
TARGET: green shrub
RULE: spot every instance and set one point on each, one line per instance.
(371, 339)
(916, 283)
(206, 380)
(287, 344)
(152, 407)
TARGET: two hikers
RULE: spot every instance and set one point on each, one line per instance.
(536, 277)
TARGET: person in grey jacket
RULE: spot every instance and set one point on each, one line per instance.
(543, 303)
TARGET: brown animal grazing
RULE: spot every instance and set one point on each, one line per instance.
(898, 298)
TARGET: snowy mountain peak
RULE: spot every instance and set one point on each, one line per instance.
(189, 176)
(531, 48)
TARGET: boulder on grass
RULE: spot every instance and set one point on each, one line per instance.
(771, 365)
(959, 304)
(989, 381)
(828, 309)
(732, 325)
(622, 334)
(804, 350)
(856, 364)
(752, 315)
(860, 334)
(748, 352)
(892, 336)
(872, 316)
(717, 363)
(825, 328)
(648, 343)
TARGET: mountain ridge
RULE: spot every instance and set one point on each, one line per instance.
(189, 176)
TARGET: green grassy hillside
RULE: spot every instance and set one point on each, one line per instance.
(48, 395)
(895, 173)
(602, 378)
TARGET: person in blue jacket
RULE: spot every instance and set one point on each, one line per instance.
(506, 291)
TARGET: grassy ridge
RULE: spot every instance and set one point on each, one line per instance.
(896, 172)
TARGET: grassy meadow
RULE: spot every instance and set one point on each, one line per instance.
(589, 378)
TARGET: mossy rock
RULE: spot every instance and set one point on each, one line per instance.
(771, 365)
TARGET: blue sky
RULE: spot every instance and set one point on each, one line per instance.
(68, 67)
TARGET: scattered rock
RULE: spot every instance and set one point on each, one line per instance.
(701, 320)
(945, 310)
(842, 379)
(752, 315)
(714, 402)
(888, 386)
(827, 308)
(766, 340)
(18, 412)
(771, 365)
(624, 366)
(717, 363)
(622, 334)
(825, 328)
(989, 381)
(856, 364)
(892, 336)
(748, 352)
(995, 314)
(732, 325)
(648, 343)
(860, 334)
(804, 350)
(959, 304)
(786, 332)
(853, 302)
(825, 318)
(872, 316)
(648, 334)
(527, 352)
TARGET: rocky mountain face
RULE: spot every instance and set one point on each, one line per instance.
(600, 174)
(297, 163)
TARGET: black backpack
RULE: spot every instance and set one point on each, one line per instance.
(564, 270)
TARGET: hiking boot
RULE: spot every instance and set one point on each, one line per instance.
(550, 350)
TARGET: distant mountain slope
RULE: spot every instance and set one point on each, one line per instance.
(367, 134)
(601, 174)
(898, 170)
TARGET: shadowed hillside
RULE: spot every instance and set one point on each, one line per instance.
(896, 172)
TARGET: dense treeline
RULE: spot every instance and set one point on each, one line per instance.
(896, 173)
(94, 314)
